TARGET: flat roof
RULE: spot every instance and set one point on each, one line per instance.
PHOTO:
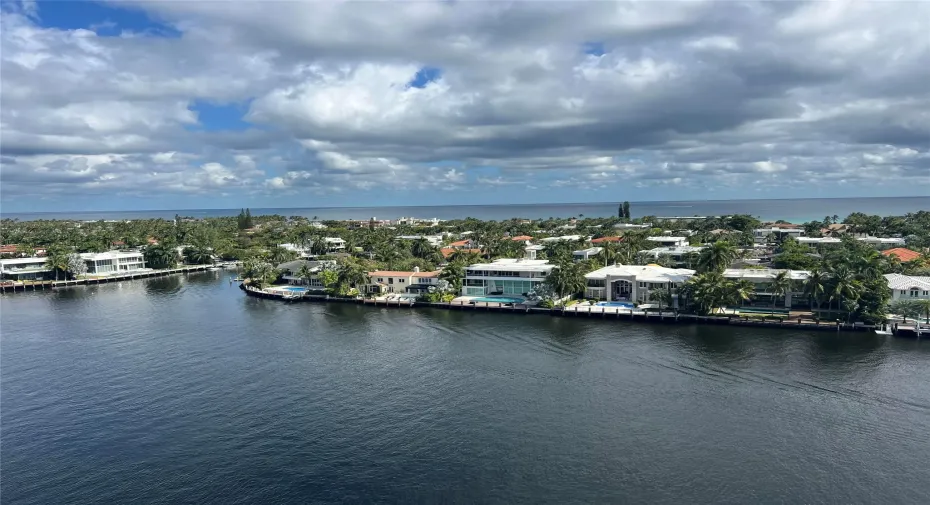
(763, 273)
(666, 239)
(514, 265)
(645, 273)
(681, 249)
(590, 250)
(111, 255)
(22, 261)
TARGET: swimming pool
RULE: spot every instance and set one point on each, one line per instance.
(295, 289)
(499, 299)
(626, 305)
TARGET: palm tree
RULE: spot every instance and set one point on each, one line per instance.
(421, 248)
(740, 292)
(198, 255)
(350, 274)
(717, 257)
(388, 254)
(454, 274)
(815, 286)
(609, 253)
(160, 256)
(844, 285)
(566, 279)
(305, 273)
(780, 286)
(708, 290)
(57, 260)
(662, 296)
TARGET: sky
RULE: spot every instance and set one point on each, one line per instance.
(227, 104)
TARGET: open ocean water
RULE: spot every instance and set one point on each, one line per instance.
(183, 390)
(796, 210)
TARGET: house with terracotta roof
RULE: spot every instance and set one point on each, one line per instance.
(393, 281)
(604, 240)
(521, 238)
(462, 244)
(903, 254)
(449, 251)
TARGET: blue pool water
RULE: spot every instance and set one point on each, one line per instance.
(295, 288)
(626, 305)
(499, 299)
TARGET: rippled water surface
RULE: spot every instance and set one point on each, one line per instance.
(183, 390)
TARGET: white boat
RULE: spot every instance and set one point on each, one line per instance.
(883, 332)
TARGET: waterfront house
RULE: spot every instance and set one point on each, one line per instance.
(908, 287)
(393, 281)
(113, 262)
(585, 254)
(505, 276)
(629, 283)
(903, 255)
(761, 279)
(291, 269)
(20, 269)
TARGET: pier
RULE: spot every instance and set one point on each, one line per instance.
(12, 287)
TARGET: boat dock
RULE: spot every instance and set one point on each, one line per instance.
(12, 287)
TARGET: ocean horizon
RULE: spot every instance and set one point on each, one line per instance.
(789, 209)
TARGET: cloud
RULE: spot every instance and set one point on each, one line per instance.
(706, 95)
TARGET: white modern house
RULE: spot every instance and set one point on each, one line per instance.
(18, 269)
(908, 287)
(631, 226)
(664, 241)
(761, 279)
(433, 240)
(392, 281)
(816, 243)
(113, 262)
(882, 243)
(567, 238)
(760, 235)
(633, 283)
(532, 250)
(584, 254)
(681, 255)
(505, 276)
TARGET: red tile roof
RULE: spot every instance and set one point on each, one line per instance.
(606, 239)
(8, 248)
(522, 237)
(449, 251)
(389, 273)
(460, 243)
(903, 254)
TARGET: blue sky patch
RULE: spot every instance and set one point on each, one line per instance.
(424, 76)
(105, 20)
(213, 116)
(594, 48)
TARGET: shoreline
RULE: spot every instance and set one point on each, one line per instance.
(631, 316)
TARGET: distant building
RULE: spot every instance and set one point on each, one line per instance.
(665, 241)
(585, 254)
(903, 255)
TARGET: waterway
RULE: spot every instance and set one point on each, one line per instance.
(183, 390)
